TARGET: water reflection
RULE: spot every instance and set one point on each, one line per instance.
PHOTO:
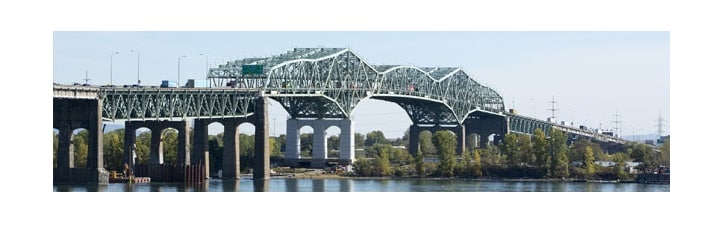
(261, 185)
(365, 185)
(230, 185)
(290, 185)
(318, 185)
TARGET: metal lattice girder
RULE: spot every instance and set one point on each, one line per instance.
(526, 125)
(346, 79)
(170, 103)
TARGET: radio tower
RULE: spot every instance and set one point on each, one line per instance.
(553, 109)
(660, 124)
(616, 123)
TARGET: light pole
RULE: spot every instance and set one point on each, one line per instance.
(178, 70)
(138, 64)
(115, 53)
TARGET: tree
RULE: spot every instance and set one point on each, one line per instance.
(526, 152)
(619, 159)
(426, 143)
(419, 163)
(477, 169)
(540, 148)
(589, 161)
(509, 147)
(306, 145)
(216, 153)
(113, 150)
(382, 160)
(445, 142)
(143, 147)
(560, 164)
(665, 152)
(246, 151)
(170, 138)
(375, 137)
(359, 140)
(333, 142)
(80, 149)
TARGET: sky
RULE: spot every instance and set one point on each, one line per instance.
(595, 78)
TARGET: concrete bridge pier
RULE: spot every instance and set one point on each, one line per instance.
(261, 141)
(69, 114)
(200, 151)
(319, 140)
(156, 153)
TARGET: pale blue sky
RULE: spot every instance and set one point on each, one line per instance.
(592, 75)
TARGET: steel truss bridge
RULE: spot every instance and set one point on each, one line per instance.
(324, 83)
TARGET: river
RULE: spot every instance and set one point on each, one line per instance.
(367, 185)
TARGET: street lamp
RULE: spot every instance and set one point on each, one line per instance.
(178, 70)
(138, 64)
(115, 53)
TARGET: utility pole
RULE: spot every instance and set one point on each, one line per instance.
(553, 109)
(660, 125)
(86, 80)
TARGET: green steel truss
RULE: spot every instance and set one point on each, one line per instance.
(330, 82)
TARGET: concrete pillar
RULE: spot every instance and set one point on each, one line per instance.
(319, 143)
(156, 153)
(413, 139)
(200, 152)
(460, 131)
(182, 152)
(347, 142)
(261, 141)
(65, 151)
(230, 156)
(292, 151)
(129, 140)
(95, 138)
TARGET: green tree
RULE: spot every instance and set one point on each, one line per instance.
(306, 145)
(426, 143)
(509, 148)
(619, 159)
(113, 150)
(375, 137)
(80, 149)
(382, 161)
(246, 151)
(143, 147)
(477, 167)
(560, 164)
(589, 161)
(419, 163)
(359, 140)
(333, 142)
(445, 142)
(363, 167)
(665, 152)
(490, 155)
(216, 153)
(170, 140)
(526, 152)
(540, 148)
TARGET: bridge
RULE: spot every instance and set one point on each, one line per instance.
(318, 87)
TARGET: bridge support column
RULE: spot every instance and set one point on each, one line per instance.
(460, 131)
(292, 151)
(413, 139)
(129, 144)
(156, 153)
(200, 153)
(182, 152)
(230, 161)
(79, 113)
(261, 142)
(65, 148)
(347, 142)
(319, 144)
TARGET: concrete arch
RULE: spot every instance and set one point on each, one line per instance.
(319, 140)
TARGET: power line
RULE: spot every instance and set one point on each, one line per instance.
(553, 109)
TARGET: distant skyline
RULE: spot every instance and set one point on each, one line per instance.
(591, 75)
